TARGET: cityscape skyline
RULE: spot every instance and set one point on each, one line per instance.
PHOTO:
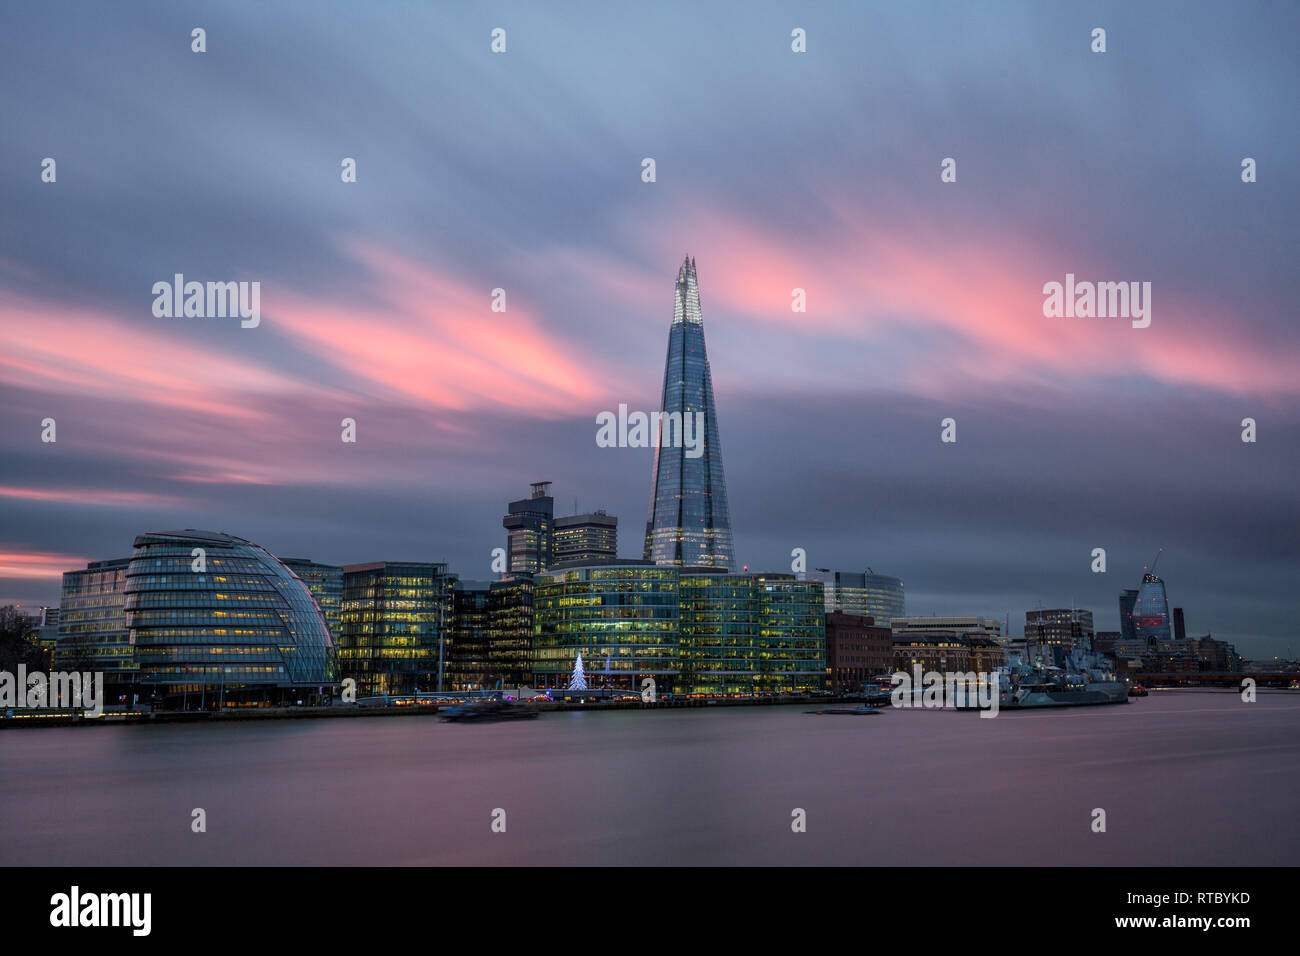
(924, 298)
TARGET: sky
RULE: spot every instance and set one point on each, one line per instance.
(775, 170)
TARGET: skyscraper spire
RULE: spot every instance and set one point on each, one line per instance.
(689, 523)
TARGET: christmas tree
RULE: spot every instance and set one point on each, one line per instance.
(579, 680)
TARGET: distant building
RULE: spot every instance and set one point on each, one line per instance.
(1127, 598)
(586, 537)
(947, 643)
(878, 596)
(325, 582)
(986, 654)
(1180, 625)
(529, 524)
(934, 652)
(955, 626)
(1069, 628)
(393, 617)
(1217, 656)
(1151, 611)
(93, 633)
(1104, 641)
(856, 651)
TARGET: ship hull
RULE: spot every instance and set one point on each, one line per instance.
(1092, 695)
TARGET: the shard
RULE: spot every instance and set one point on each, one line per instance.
(689, 524)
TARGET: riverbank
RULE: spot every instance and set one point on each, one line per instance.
(68, 718)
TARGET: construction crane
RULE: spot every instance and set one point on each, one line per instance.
(1152, 569)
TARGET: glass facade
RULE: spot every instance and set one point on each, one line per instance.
(689, 523)
(510, 630)
(694, 631)
(93, 633)
(467, 649)
(239, 629)
(627, 614)
(1151, 611)
(878, 596)
(393, 614)
(325, 582)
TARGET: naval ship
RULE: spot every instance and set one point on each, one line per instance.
(1082, 678)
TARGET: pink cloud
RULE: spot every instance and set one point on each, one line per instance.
(36, 565)
(420, 335)
(871, 277)
(90, 496)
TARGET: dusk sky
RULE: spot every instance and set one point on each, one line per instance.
(775, 170)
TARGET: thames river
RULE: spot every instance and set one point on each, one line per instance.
(1183, 778)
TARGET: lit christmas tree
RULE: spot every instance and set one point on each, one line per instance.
(579, 680)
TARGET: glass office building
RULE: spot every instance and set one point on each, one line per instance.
(878, 596)
(229, 625)
(510, 630)
(752, 633)
(624, 613)
(689, 523)
(325, 582)
(1151, 611)
(393, 615)
(93, 633)
(695, 631)
(466, 652)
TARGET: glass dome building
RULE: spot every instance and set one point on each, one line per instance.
(218, 622)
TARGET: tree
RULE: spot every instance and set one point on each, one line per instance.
(17, 640)
(579, 680)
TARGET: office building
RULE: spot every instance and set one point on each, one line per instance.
(856, 651)
(325, 582)
(877, 596)
(529, 524)
(393, 617)
(1068, 628)
(93, 633)
(584, 538)
(694, 631)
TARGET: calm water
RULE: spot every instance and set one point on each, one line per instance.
(1185, 778)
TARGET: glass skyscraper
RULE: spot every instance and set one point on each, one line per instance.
(689, 523)
(1151, 611)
